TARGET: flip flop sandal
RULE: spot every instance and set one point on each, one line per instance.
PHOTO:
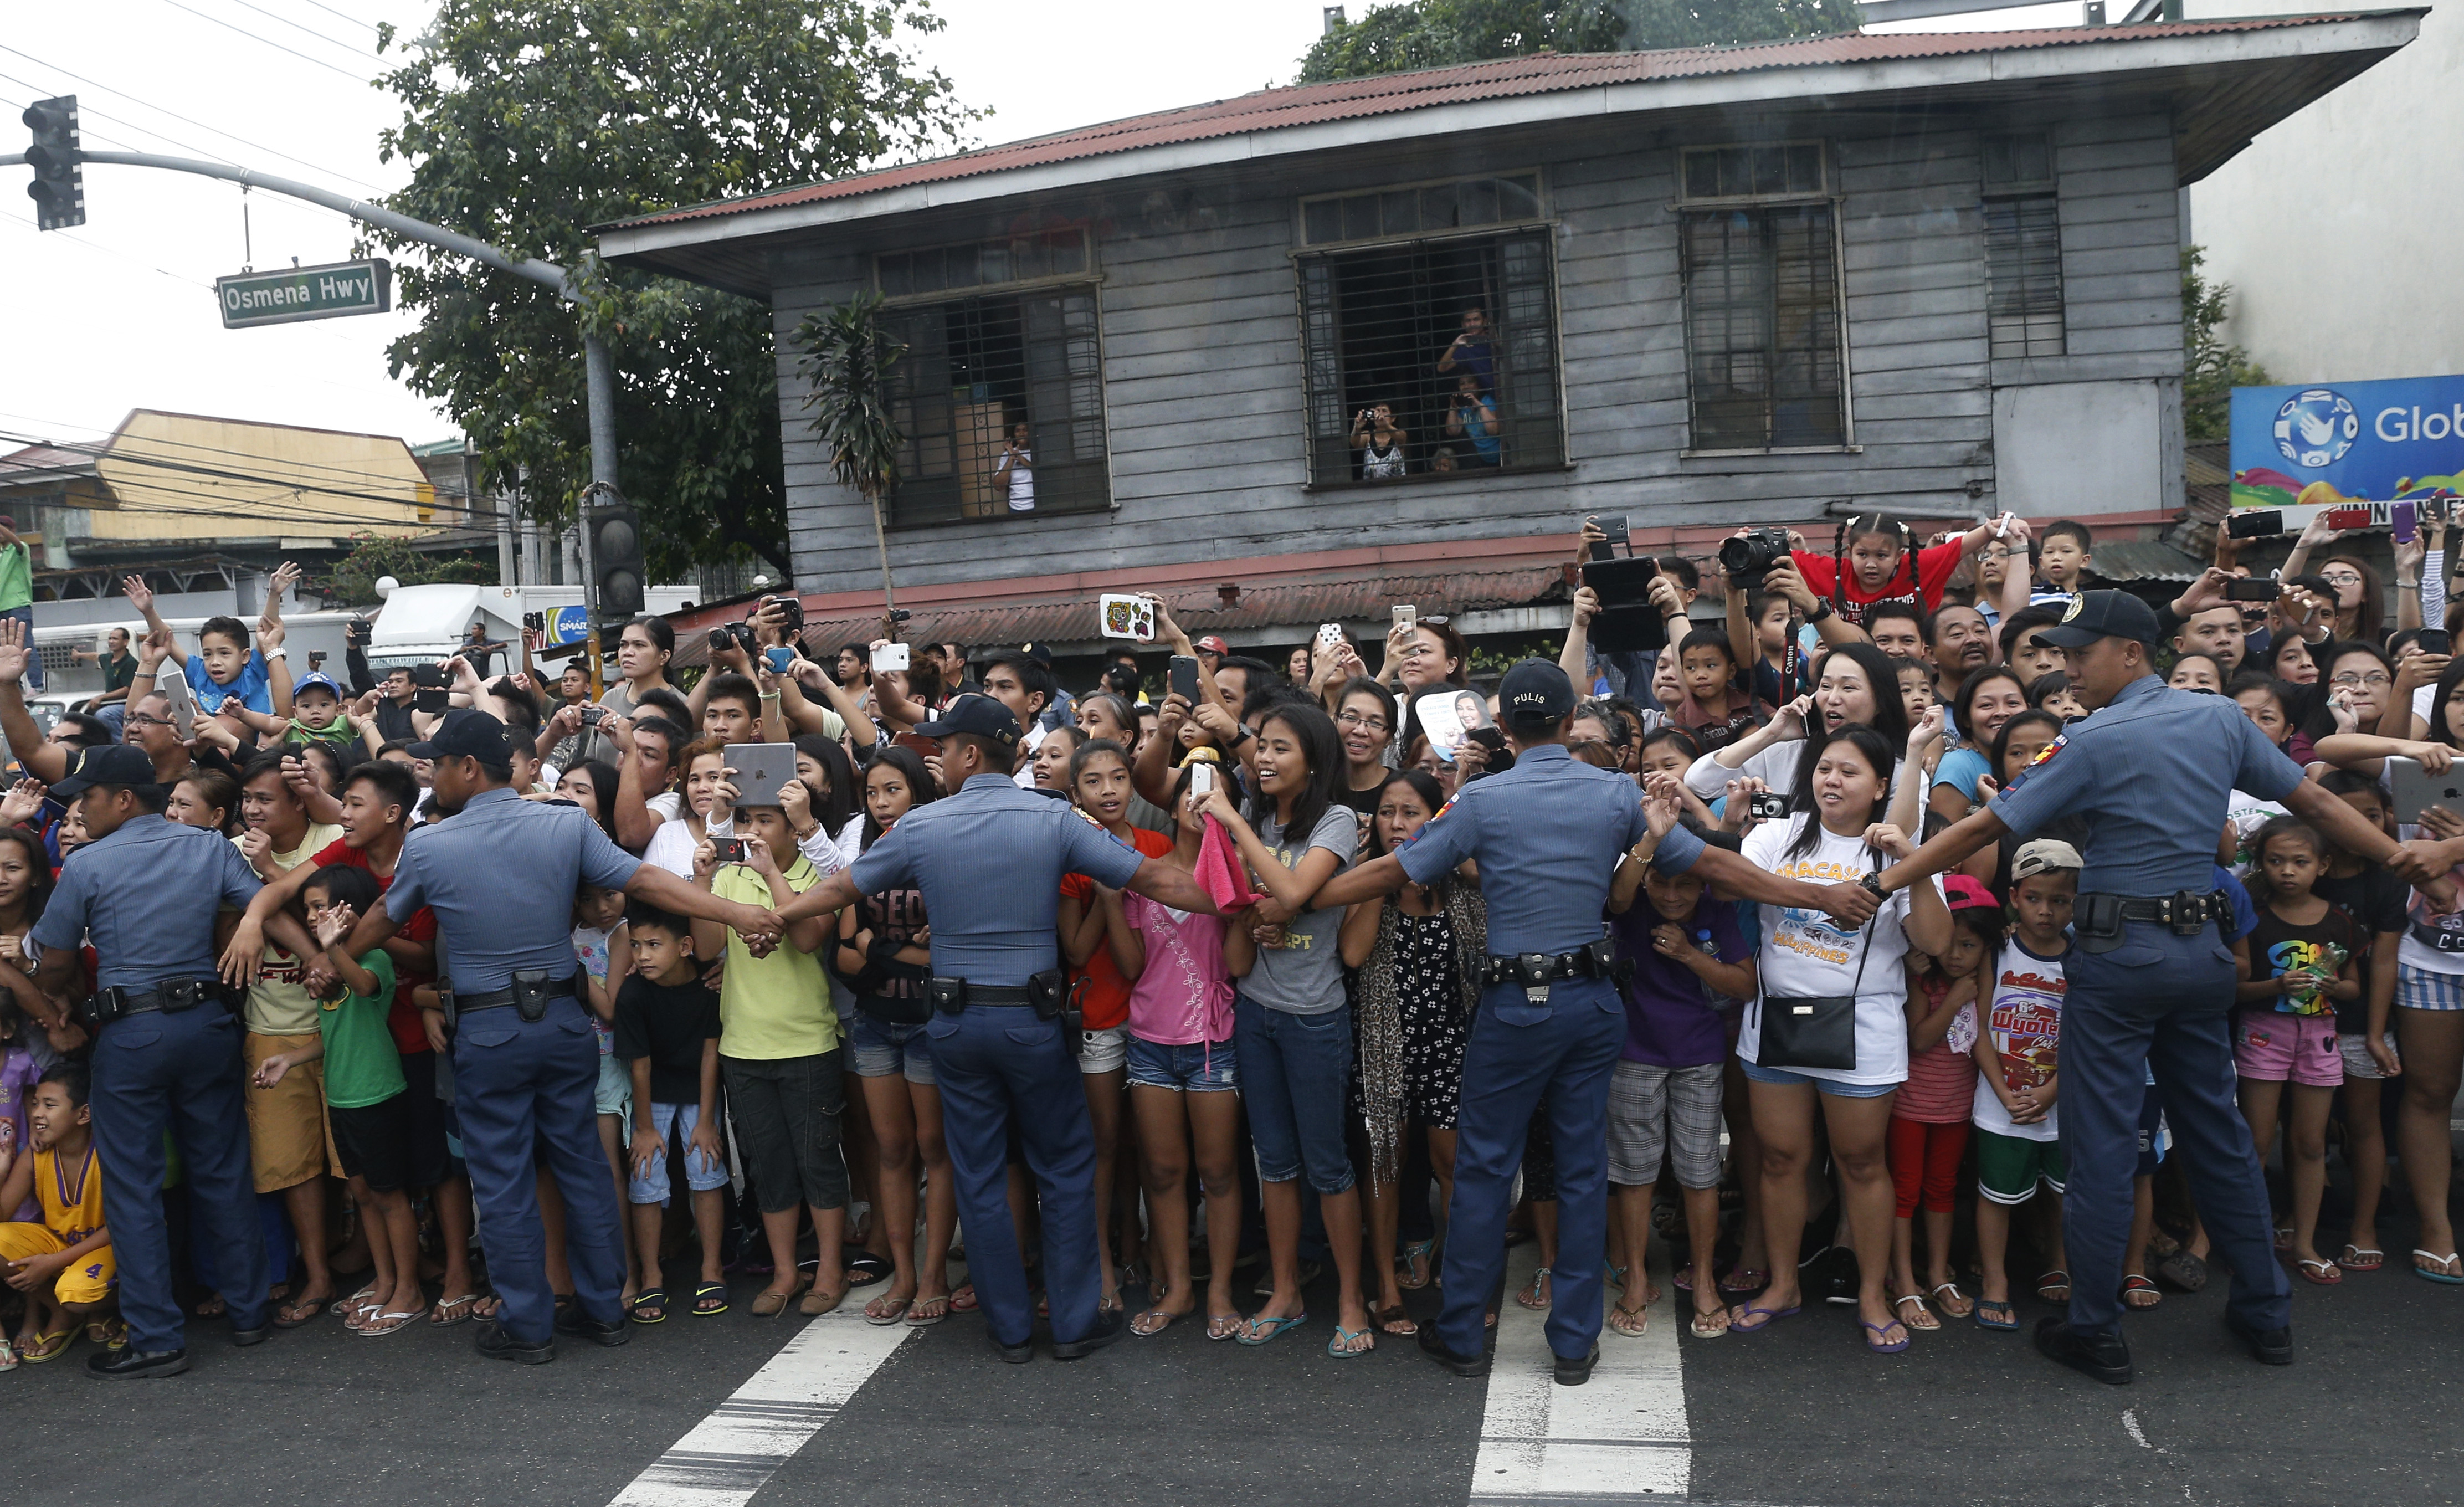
(111, 1334)
(448, 1311)
(8, 1356)
(2009, 1318)
(1417, 1259)
(2185, 1270)
(1745, 1280)
(1394, 1314)
(1737, 1322)
(1879, 1346)
(1682, 1279)
(650, 1306)
(315, 1310)
(710, 1300)
(1162, 1320)
(868, 1269)
(2284, 1238)
(1956, 1296)
(1225, 1327)
(1529, 1297)
(2055, 1287)
(48, 1347)
(885, 1310)
(2362, 1258)
(1711, 1325)
(963, 1300)
(1630, 1322)
(2325, 1273)
(1923, 1322)
(1263, 1330)
(2139, 1293)
(386, 1323)
(928, 1312)
(2442, 1274)
(1341, 1347)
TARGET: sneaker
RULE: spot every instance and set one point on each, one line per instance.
(1838, 1278)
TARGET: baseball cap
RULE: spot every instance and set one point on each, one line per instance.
(2044, 855)
(1214, 644)
(112, 764)
(977, 714)
(1535, 688)
(2101, 615)
(319, 679)
(1040, 653)
(467, 733)
(1966, 893)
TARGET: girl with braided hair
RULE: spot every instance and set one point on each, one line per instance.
(1874, 558)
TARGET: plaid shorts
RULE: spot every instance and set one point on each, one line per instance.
(2425, 988)
(1654, 1109)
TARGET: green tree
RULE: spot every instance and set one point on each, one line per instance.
(527, 121)
(1437, 33)
(847, 357)
(352, 579)
(2211, 367)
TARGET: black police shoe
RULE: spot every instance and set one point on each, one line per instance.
(244, 1338)
(1838, 1281)
(130, 1364)
(1575, 1373)
(2104, 1356)
(1436, 1350)
(1015, 1354)
(2267, 1347)
(581, 1326)
(497, 1345)
(1109, 1327)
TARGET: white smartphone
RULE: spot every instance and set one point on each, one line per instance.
(1201, 778)
(1329, 634)
(1406, 615)
(890, 656)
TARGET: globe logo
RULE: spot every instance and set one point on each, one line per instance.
(2314, 429)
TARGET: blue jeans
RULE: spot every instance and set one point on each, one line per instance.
(1519, 1053)
(1295, 1071)
(524, 1091)
(178, 1072)
(675, 1124)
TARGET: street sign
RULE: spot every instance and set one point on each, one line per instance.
(250, 298)
(567, 624)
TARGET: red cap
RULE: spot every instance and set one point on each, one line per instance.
(1965, 893)
(1214, 644)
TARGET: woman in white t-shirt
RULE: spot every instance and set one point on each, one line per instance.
(708, 797)
(1835, 837)
(1853, 685)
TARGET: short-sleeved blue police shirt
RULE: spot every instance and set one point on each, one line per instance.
(989, 862)
(148, 894)
(1546, 834)
(501, 874)
(2151, 771)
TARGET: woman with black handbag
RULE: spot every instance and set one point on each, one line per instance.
(1829, 1027)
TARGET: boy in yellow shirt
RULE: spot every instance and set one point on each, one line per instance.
(62, 1265)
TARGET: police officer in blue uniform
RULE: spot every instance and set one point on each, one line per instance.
(989, 860)
(166, 1050)
(500, 874)
(1547, 835)
(2145, 781)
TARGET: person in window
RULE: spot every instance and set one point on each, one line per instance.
(1471, 354)
(1018, 470)
(1379, 442)
(1471, 414)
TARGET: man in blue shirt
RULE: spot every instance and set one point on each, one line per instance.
(2144, 781)
(1548, 834)
(501, 874)
(148, 894)
(1470, 351)
(989, 860)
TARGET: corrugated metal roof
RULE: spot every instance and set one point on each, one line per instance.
(46, 462)
(2143, 560)
(1386, 94)
(1200, 610)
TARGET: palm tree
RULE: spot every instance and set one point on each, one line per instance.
(846, 361)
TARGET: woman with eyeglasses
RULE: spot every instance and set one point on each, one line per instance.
(2360, 596)
(1364, 722)
(2355, 687)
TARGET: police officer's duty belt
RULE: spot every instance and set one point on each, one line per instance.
(1534, 969)
(2186, 911)
(172, 997)
(530, 993)
(1044, 990)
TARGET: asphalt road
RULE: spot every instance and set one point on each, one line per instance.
(1799, 1416)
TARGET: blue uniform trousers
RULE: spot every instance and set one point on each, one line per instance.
(180, 1073)
(2164, 1002)
(523, 1089)
(999, 1065)
(1518, 1053)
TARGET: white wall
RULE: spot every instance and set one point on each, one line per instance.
(2334, 227)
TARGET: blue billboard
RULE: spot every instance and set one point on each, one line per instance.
(2346, 442)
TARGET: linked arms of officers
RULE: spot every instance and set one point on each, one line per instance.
(1155, 880)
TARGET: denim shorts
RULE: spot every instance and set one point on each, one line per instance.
(1296, 1074)
(613, 1093)
(1759, 1073)
(1102, 1050)
(674, 1123)
(1198, 1068)
(881, 1049)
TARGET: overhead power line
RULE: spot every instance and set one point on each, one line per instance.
(265, 41)
(330, 41)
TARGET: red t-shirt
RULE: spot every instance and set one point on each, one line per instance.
(1105, 998)
(1935, 567)
(410, 1032)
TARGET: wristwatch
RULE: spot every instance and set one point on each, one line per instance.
(1872, 885)
(1821, 610)
(1243, 735)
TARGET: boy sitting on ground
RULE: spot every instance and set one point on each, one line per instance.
(63, 1265)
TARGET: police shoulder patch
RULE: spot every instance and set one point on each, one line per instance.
(2078, 600)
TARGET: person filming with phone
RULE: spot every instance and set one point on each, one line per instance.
(1470, 353)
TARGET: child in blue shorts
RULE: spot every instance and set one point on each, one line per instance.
(667, 1033)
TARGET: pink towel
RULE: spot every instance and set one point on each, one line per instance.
(1220, 871)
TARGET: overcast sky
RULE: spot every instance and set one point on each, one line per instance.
(120, 313)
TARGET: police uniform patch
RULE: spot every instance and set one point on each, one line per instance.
(2042, 754)
(2078, 601)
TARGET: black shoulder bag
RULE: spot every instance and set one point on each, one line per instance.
(1814, 1031)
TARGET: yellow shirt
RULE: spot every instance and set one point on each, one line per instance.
(778, 1006)
(70, 1193)
(278, 1004)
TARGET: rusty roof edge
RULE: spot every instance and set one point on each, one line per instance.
(783, 208)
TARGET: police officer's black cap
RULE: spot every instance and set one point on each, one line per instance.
(467, 733)
(2101, 615)
(112, 764)
(1536, 690)
(976, 714)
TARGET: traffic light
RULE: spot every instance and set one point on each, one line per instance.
(616, 565)
(59, 189)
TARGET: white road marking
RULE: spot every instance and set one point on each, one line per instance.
(731, 1454)
(1620, 1438)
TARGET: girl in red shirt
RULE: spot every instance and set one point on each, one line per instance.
(1871, 561)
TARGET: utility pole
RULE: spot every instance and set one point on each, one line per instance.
(610, 531)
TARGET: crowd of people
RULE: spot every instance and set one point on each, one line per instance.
(765, 1099)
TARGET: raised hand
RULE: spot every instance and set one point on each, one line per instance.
(13, 652)
(140, 596)
(25, 798)
(336, 925)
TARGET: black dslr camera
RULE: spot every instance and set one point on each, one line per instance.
(1747, 557)
(740, 634)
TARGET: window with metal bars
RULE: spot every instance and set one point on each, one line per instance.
(1765, 369)
(1453, 342)
(2023, 247)
(1001, 398)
